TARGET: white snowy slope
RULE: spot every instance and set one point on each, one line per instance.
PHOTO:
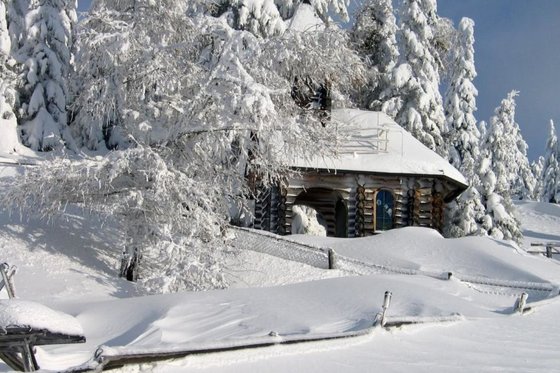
(426, 250)
(540, 222)
(70, 266)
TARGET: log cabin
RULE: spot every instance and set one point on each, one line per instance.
(382, 178)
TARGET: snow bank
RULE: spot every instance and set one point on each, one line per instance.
(540, 222)
(423, 249)
(20, 313)
(177, 322)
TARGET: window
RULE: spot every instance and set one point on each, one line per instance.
(384, 203)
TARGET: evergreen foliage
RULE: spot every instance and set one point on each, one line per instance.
(46, 57)
(415, 102)
(9, 141)
(374, 37)
(538, 171)
(463, 137)
(499, 170)
(551, 168)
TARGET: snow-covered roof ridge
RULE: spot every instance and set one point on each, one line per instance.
(377, 144)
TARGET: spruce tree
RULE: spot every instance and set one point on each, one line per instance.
(498, 171)
(8, 124)
(538, 171)
(416, 103)
(46, 55)
(374, 37)
(551, 168)
(463, 136)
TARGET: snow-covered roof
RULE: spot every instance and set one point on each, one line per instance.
(20, 313)
(379, 145)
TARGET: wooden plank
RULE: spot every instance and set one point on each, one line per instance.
(13, 360)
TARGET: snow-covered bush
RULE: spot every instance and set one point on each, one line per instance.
(174, 217)
(306, 221)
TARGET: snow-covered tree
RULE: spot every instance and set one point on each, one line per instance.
(8, 124)
(46, 55)
(538, 171)
(203, 112)
(267, 18)
(415, 101)
(16, 11)
(462, 134)
(499, 170)
(466, 215)
(374, 37)
(551, 168)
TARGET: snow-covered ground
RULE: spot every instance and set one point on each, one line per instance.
(70, 266)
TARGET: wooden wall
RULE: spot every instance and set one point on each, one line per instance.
(418, 201)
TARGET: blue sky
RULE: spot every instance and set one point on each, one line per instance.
(517, 47)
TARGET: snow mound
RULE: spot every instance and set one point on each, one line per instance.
(423, 249)
(20, 313)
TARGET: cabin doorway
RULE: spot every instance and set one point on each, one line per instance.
(330, 207)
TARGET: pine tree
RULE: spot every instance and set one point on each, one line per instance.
(463, 136)
(374, 37)
(415, 102)
(16, 11)
(498, 172)
(46, 55)
(525, 183)
(8, 124)
(538, 171)
(551, 168)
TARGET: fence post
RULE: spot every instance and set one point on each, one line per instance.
(332, 259)
(386, 303)
(520, 302)
(7, 275)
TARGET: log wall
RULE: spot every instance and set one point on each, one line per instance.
(418, 201)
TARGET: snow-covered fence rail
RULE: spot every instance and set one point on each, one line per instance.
(285, 248)
(521, 285)
(281, 247)
(115, 357)
(550, 248)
